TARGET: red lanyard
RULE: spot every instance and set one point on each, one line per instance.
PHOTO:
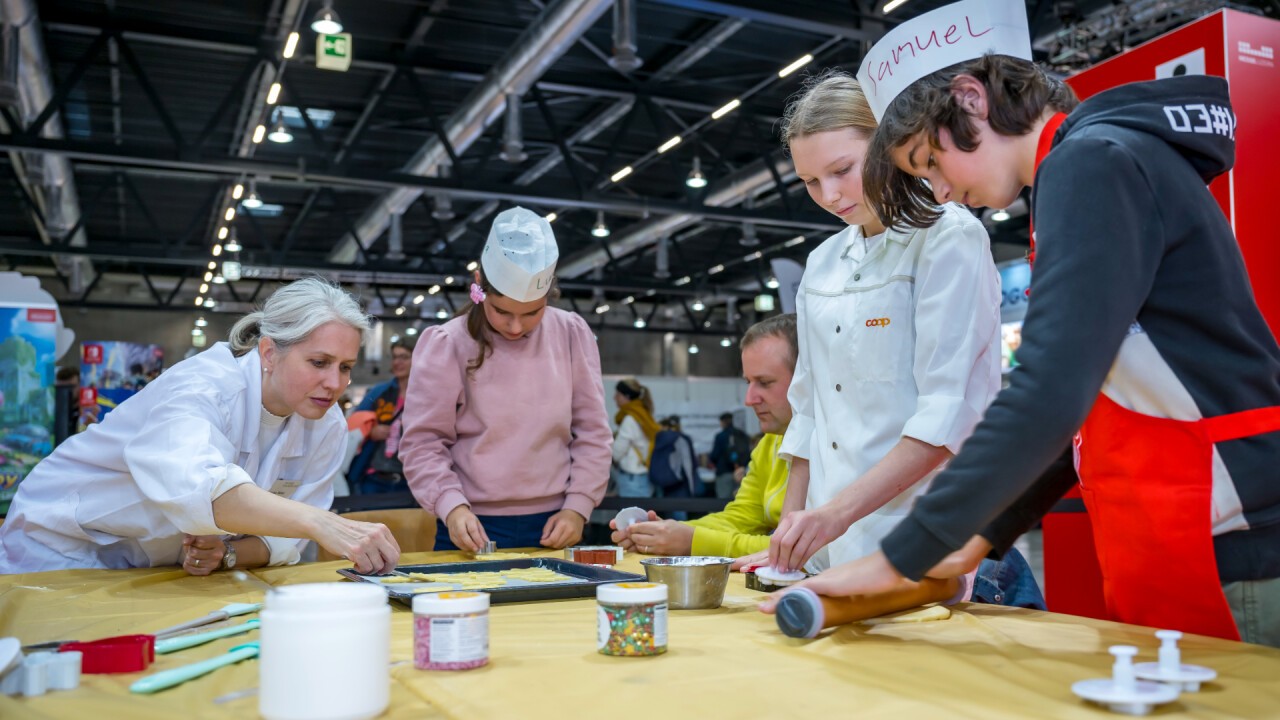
(1042, 150)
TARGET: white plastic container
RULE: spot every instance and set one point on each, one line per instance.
(451, 631)
(325, 652)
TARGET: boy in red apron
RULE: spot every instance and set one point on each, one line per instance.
(1141, 333)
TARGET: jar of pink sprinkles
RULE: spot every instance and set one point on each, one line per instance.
(451, 631)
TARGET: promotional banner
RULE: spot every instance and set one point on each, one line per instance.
(112, 372)
(27, 353)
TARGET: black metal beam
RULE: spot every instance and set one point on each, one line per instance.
(570, 162)
(764, 12)
(224, 167)
(67, 85)
(236, 90)
(147, 88)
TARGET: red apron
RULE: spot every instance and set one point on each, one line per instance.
(1147, 483)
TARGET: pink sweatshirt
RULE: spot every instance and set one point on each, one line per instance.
(526, 433)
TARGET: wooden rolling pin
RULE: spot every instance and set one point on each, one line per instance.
(802, 613)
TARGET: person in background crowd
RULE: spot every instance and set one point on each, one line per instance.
(673, 468)
(633, 444)
(505, 433)
(223, 462)
(769, 350)
(377, 467)
(729, 453)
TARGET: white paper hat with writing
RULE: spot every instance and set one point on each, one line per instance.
(941, 38)
(519, 258)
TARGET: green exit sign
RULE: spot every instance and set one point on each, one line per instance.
(333, 52)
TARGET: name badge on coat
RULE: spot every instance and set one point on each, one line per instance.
(285, 488)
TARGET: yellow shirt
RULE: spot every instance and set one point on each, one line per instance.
(743, 527)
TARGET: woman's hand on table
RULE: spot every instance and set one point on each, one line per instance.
(202, 554)
(369, 546)
(662, 537)
(622, 538)
(864, 576)
(465, 529)
(803, 533)
(562, 530)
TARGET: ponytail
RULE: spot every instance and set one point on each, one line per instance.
(246, 333)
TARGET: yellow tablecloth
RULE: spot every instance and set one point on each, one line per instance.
(985, 662)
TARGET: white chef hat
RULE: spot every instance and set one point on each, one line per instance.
(519, 258)
(938, 39)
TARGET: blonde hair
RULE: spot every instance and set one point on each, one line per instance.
(830, 100)
(294, 311)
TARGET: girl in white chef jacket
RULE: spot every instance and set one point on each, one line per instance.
(899, 344)
(223, 461)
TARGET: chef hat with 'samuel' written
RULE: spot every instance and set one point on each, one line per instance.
(519, 258)
(939, 39)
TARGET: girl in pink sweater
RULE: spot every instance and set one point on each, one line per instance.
(505, 432)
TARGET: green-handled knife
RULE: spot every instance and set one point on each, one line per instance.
(179, 675)
(182, 642)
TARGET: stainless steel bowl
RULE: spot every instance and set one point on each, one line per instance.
(693, 583)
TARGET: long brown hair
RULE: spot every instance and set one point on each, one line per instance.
(478, 326)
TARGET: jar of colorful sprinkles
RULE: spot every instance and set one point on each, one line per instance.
(632, 619)
(451, 630)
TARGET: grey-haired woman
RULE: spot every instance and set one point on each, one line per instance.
(223, 461)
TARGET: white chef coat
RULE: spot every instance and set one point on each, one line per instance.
(900, 340)
(123, 492)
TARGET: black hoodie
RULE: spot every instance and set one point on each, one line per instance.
(1138, 283)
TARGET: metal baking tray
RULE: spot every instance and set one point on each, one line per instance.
(582, 583)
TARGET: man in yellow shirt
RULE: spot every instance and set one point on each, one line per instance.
(769, 351)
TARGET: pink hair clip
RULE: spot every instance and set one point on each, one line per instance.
(477, 295)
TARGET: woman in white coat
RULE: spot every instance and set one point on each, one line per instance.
(899, 352)
(223, 461)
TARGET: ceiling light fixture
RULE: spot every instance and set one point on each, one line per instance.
(621, 174)
(670, 144)
(273, 95)
(253, 202)
(280, 133)
(290, 45)
(693, 348)
(600, 230)
(696, 179)
(326, 21)
(726, 109)
(233, 244)
(237, 191)
(259, 133)
(795, 66)
(1000, 215)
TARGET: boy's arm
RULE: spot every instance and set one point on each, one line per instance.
(1100, 245)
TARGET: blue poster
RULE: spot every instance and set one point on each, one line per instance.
(112, 372)
(27, 341)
